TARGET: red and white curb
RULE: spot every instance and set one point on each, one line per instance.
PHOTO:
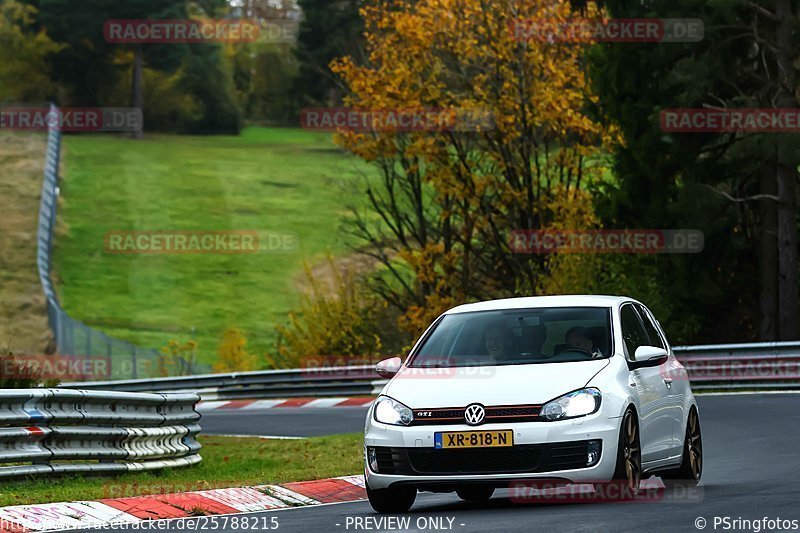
(292, 402)
(103, 513)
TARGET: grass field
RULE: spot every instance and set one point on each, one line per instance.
(227, 462)
(272, 180)
(23, 319)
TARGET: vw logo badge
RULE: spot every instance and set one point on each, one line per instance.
(474, 414)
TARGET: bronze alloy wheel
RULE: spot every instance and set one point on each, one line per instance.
(694, 445)
(629, 456)
(691, 468)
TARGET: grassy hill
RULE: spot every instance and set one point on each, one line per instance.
(23, 318)
(272, 180)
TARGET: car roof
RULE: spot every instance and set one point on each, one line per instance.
(577, 300)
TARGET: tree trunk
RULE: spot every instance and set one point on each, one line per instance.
(137, 97)
(788, 318)
(788, 311)
(768, 253)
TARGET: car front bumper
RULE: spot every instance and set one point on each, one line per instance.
(538, 437)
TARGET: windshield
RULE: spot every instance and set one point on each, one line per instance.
(518, 336)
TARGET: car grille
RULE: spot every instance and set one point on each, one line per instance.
(455, 415)
(526, 458)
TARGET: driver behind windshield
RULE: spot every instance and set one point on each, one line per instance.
(577, 338)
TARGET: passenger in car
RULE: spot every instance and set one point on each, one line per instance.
(532, 341)
(498, 341)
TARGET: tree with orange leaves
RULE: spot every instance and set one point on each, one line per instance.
(441, 214)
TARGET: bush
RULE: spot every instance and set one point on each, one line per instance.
(167, 107)
(340, 318)
(209, 80)
(17, 375)
(24, 53)
(233, 354)
(177, 359)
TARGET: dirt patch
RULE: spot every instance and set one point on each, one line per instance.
(23, 314)
(323, 273)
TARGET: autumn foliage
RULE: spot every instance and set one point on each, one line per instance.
(337, 318)
(233, 353)
(448, 200)
(176, 359)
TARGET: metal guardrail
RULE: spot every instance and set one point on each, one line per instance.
(359, 380)
(62, 431)
(757, 366)
(751, 348)
(731, 367)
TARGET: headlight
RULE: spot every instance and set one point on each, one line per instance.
(389, 411)
(578, 403)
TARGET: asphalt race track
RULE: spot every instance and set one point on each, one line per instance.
(752, 469)
(284, 421)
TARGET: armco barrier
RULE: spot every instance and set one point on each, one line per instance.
(757, 366)
(101, 431)
(731, 367)
(359, 380)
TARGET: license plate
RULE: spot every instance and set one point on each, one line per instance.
(473, 439)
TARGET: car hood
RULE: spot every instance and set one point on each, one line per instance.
(489, 385)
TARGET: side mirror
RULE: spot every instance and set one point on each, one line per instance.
(648, 356)
(389, 367)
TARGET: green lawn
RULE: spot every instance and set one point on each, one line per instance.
(271, 180)
(227, 462)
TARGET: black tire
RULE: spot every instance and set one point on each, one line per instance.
(392, 500)
(691, 469)
(628, 472)
(475, 494)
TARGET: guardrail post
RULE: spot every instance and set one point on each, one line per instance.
(135, 370)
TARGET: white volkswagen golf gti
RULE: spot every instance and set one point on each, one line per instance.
(576, 389)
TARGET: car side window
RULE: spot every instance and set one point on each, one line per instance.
(633, 333)
(651, 328)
